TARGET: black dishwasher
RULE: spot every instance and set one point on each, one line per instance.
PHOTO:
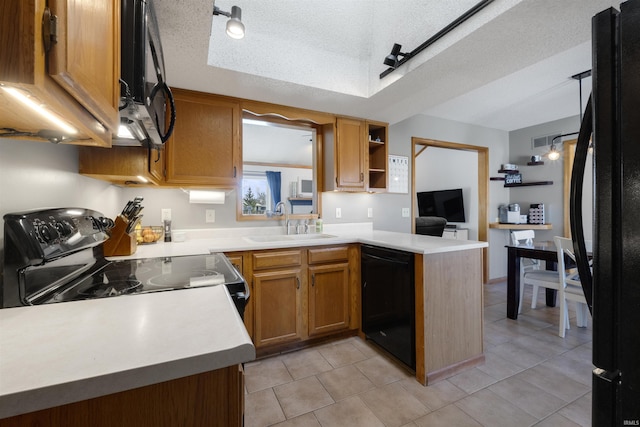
(388, 301)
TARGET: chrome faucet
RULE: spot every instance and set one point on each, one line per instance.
(281, 209)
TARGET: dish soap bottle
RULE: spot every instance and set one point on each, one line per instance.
(319, 225)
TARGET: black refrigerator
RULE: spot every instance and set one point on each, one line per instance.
(612, 289)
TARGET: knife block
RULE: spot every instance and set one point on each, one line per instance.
(120, 242)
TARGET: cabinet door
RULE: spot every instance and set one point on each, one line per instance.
(350, 157)
(122, 165)
(328, 298)
(156, 164)
(278, 307)
(86, 59)
(205, 146)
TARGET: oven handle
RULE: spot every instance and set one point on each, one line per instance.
(246, 294)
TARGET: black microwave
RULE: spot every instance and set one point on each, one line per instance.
(144, 93)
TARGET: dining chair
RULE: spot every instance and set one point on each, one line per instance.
(530, 273)
(571, 288)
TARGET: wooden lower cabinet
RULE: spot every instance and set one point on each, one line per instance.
(209, 399)
(301, 294)
(328, 298)
(278, 307)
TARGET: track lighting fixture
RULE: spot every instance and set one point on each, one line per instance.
(392, 59)
(553, 153)
(235, 27)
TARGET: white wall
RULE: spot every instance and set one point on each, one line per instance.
(39, 175)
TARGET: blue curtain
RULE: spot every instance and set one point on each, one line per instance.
(274, 180)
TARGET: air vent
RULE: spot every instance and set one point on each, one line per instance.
(543, 141)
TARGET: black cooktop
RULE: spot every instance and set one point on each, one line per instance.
(151, 275)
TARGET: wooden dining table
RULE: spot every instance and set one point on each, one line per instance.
(545, 251)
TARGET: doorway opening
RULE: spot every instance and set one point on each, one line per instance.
(418, 146)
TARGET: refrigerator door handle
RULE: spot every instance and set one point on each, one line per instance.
(575, 204)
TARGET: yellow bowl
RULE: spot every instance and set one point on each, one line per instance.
(149, 234)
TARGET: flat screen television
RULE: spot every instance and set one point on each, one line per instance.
(447, 204)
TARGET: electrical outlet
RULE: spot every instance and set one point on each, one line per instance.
(338, 213)
(369, 212)
(210, 215)
(166, 215)
(405, 212)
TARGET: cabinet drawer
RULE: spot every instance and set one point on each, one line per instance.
(319, 255)
(264, 260)
(236, 260)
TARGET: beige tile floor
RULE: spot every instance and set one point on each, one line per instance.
(531, 377)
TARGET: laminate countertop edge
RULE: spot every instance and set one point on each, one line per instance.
(55, 354)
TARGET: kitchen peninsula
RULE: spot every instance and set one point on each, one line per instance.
(448, 275)
(167, 336)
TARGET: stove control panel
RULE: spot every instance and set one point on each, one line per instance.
(46, 234)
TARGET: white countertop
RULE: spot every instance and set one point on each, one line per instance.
(240, 239)
(60, 353)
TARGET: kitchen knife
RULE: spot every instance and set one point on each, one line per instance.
(126, 208)
(132, 223)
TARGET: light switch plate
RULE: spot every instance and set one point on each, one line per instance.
(338, 213)
(210, 215)
(405, 212)
(369, 212)
(165, 215)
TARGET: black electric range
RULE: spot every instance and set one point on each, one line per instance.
(55, 255)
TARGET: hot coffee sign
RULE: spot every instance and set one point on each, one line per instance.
(514, 178)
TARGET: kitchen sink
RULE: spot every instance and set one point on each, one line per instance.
(285, 237)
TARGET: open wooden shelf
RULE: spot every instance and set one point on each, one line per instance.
(529, 184)
(501, 226)
(508, 171)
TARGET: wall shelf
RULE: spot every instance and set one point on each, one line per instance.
(296, 201)
(501, 226)
(535, 163)
(508, 171)
(529, 184)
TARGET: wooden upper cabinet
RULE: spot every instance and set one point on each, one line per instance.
(345, 155)
(77, 78)
(350, 153)
(86, 59)
(123, 165)
(205, 147)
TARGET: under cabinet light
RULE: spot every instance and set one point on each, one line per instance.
(41, 109)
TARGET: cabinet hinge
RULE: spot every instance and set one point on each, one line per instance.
(49, 29)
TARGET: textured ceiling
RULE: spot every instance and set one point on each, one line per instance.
(507, 67)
